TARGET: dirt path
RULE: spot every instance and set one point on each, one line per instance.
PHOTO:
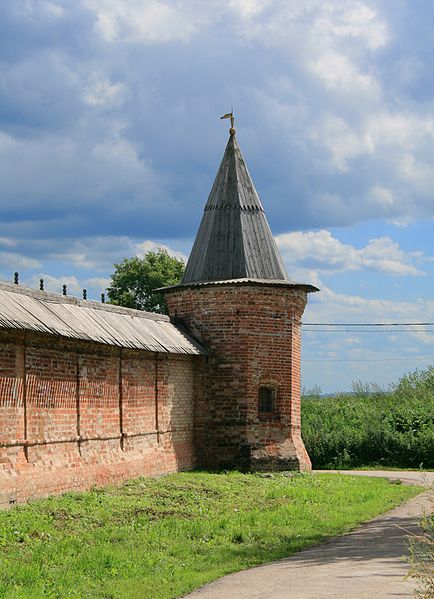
(367, 563)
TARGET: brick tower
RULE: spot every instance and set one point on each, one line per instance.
(236, 298)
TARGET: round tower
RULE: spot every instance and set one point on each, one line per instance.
(236, 299)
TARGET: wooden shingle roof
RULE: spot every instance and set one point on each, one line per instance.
(69, 317)
(234, 240)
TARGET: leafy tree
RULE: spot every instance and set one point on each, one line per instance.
(134, 280)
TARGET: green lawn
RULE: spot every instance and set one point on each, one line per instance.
(161, 538)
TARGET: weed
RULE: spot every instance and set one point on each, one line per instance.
(162, 538)
(422, 556)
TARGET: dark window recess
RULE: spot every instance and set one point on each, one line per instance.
(266, 401)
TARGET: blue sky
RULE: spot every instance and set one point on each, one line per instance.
(110, 139)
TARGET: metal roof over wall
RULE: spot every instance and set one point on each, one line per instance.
(69, 317)
(246, 282)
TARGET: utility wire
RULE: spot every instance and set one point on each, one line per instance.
(367, 331)
(367, 327)
(407, 359)
(374, 327)
(368, 324)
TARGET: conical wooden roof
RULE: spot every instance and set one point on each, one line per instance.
(234, 240)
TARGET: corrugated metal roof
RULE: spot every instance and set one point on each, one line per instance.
(246, 281)
(64, 316)
(234, 240)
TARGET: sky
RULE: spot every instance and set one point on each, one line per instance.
(110, 140)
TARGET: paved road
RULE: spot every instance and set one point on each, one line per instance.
(365, 564)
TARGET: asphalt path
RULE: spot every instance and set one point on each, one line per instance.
(368, 563)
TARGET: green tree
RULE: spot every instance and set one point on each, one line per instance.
(134, 280)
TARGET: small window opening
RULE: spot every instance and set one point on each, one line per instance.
(266, 401)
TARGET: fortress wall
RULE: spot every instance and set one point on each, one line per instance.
(75, 414)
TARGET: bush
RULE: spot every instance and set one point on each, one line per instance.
(371, 427)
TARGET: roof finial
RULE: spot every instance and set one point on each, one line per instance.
(230, 115)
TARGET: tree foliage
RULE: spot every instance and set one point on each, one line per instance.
(134, 280)
(373, 427)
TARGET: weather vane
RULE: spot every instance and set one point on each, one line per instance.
(230, 115)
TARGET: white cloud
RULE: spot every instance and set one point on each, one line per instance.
(7, 242)
(341, 76)
(403, 144)
(152, 21)
(103, 93)
(78, 174)
(7, 142)
(355, 20)
(74, 286)
(98, 253)
(249, 8)
(271, 22)
(55, 284)
(53, 9)
(322, 251)
(333, 357)
(342, 142)
(98, 283)
(321, 24)
(331, 306)
(152, 246)
(47, 8)
(15, 261)
(382, 196)
(351, 341)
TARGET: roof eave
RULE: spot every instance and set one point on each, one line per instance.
(242, 282)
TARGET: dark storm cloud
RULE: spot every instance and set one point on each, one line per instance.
(110, 139)
(109, 114)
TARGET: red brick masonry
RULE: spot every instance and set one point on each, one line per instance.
(253, 334)
(74, 414)
(77, 414)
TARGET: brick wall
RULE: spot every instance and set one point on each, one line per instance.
(76, 414)
(253, 334)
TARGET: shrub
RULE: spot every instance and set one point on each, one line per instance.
(371, 426)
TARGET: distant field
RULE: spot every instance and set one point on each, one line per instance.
(161, 538)
(370, 427)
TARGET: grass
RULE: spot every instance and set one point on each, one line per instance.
(376, 468)
(422, 554)
(162, 538)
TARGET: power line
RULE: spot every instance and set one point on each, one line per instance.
(311, 352)
(367, 331)
(407, 359)
(368, 324)
(368, 327)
